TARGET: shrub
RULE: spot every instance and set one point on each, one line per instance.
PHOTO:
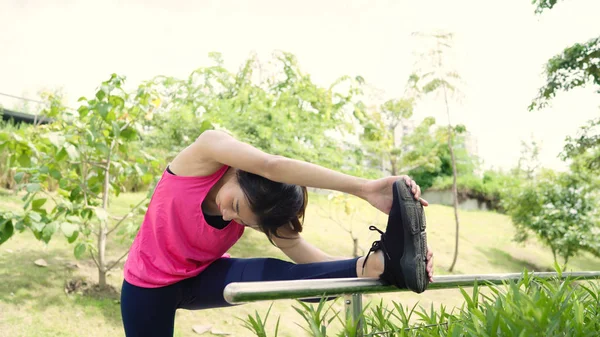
(528, 307)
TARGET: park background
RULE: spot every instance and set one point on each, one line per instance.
(504, 97)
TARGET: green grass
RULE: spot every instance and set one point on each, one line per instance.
(33, 301)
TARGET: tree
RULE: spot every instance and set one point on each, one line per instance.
(560, 210)
(577, 66)
(542, 5)
(434, 76)
(584, 149)
(275, 107)
(435, 144)
(88, 156)
(380, 134)
(336, 202)
(529, 162)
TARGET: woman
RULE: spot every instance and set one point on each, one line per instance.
(218, 186)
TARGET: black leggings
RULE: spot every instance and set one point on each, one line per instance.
(151, 311)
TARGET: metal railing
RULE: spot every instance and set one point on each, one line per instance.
(353, 288)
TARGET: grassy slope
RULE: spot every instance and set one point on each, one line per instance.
(33, 302)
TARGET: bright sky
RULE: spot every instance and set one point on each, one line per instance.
(500, 50)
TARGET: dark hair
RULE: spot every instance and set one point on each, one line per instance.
(275, 204)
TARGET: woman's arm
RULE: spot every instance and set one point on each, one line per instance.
(299, 250)
(221, 148)
(215, 148)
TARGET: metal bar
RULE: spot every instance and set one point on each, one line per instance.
(354, 307)
(242, 292)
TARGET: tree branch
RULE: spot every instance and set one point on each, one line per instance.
(116, 262)
(126, 216)
(51, 197)
(95, 261)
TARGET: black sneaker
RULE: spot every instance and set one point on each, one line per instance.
(404, 242)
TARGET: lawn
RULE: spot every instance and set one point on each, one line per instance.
(33, 300)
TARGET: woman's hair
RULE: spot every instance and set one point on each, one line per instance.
(275, 204)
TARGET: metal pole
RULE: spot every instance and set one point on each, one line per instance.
(242, 292)
(354, 308)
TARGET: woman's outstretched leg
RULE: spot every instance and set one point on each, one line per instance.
(206, 290)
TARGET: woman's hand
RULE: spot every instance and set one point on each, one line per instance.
(379, 192)
(429, 264)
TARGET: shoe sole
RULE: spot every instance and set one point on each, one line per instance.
(414, 257)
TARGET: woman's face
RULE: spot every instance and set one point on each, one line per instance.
(233, 205)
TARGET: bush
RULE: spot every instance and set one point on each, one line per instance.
(529, 307)
(560, 209)
(491, 189)
(7, 174)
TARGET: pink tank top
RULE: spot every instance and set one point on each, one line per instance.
(174, 241)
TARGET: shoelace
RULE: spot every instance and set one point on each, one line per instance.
(377, 245)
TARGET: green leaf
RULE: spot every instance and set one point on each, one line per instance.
(54, 173)
(71, 231)
(103, 109)
(24, 160)
(72, 151)
(34, 216)
(100, 94)
(19, 224)
(6, 232)
(129, 133)
(61, 154)
(68, 228)
(73, 237)
(111, 116)
(48, 231)
(38, 203)
(206, 125)
(37, 228)
(147, 178)
(116, 129)
(101, 214)
(19, 177)
(56, 139)
(79, 250)
(116, 101)
(33, 187)
(83, 110)
(75, 194)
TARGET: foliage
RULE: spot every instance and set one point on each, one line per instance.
(560, 210)
(6, 159)
(584, 149)
(542, 5)
(492, 188)
(577, 66)
(436, 145)
(87, 156)
(257, 325)
(317, 318)
(390, 143)
(531, 306)
(275, 107)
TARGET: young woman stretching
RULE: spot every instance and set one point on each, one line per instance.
(218, 186)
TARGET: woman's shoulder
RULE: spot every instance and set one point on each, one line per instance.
(188, 163)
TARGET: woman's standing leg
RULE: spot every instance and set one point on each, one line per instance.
(149, 312)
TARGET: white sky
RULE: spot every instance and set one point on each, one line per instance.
(500, 49)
